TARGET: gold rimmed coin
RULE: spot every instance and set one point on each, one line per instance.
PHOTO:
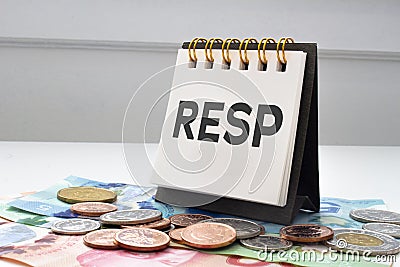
(102, 239)
(363, 241)
(184, 220)
(176, 235)
(80, 194)
(162, 224)
(142, 239)
(93, 208)
(209, 235)
(306, 233)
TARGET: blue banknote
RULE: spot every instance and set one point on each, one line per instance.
(11, 233)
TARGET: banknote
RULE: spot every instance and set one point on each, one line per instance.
(17, 215)
(24, 217)
(334, 213)
(69, 251)
(46, 203)
(11, 233)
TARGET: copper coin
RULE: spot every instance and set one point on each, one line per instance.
(158, 225)
(103, 239)
(176, 235)
(142, 239)
(209, 235)
(306, 233)
(184, 220)
(93, 208)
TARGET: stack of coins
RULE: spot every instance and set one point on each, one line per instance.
(137, 229)
(378, 235)
(146, 229)
(202, 231)
(360, 240)
(141, 228)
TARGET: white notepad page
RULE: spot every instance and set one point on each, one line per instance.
(247, 170)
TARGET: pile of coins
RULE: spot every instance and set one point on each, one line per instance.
(146, 230)
(200, 231)
(137, 230)
(377, 236)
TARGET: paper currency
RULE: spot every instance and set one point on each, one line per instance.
(46, 203)
(334, 213)
(24, 217)
(69, 251)
(11, 233)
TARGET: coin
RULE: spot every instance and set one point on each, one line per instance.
(86, 194)
(244, 229)
(127, 217)
(93, 208)
(75, 226)
(363, 241)
(306, 233)
(384, 228)
(103, 239)
(142, 239)
(371, 215)
(184, 220)
(164, 223)
(176, 235)
(267, 243)
(209, 235)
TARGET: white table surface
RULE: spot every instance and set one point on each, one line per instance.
(345, 171)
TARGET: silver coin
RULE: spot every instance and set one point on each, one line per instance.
(384, 228)
(371, 215)
(363, 241)
(266, 243)
(129, 217)
(75, 226)
(244, 229)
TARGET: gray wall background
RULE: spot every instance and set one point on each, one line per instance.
(68, 69)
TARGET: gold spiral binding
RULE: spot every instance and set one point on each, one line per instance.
(194, 42)
(263, 59)
(211, 42)
(228, 42)
(247, 41)
(283, 60)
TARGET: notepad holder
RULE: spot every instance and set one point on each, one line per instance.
(303, 192)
